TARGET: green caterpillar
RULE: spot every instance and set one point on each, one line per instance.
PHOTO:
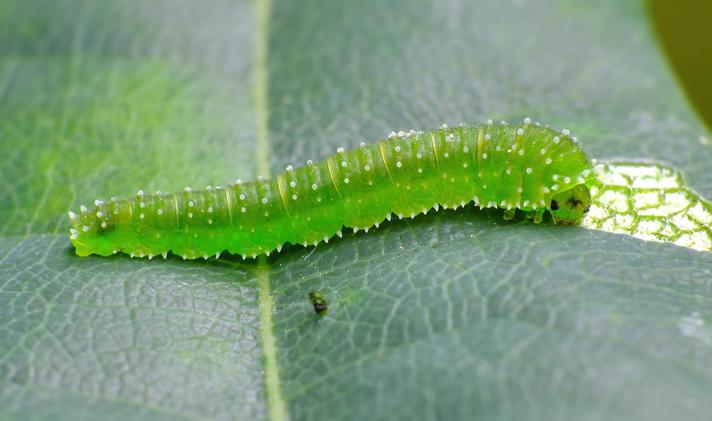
(527, 167)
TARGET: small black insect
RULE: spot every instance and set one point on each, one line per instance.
(319, 302)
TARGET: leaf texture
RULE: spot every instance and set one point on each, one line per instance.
(450, 315)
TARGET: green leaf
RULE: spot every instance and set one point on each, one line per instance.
(651, 202)
(455, 314)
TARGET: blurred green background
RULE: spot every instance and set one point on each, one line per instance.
(684, 28)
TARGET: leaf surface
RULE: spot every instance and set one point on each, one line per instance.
(451, 315)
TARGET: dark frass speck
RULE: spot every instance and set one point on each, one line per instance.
(319, 302)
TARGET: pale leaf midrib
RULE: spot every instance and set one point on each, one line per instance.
(276, 407)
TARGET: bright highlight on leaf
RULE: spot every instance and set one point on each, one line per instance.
(650, 202)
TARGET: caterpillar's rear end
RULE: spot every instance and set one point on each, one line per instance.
(147, 225)
(525, 167)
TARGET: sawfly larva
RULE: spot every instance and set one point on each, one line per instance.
(526, 167)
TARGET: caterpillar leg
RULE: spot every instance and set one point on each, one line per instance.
(509, 214)
(539, 215)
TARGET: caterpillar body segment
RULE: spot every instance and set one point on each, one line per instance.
(525, 167)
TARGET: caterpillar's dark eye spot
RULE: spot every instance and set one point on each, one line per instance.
(554, 205)
(586, 209)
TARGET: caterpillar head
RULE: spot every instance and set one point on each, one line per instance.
(570, 206)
